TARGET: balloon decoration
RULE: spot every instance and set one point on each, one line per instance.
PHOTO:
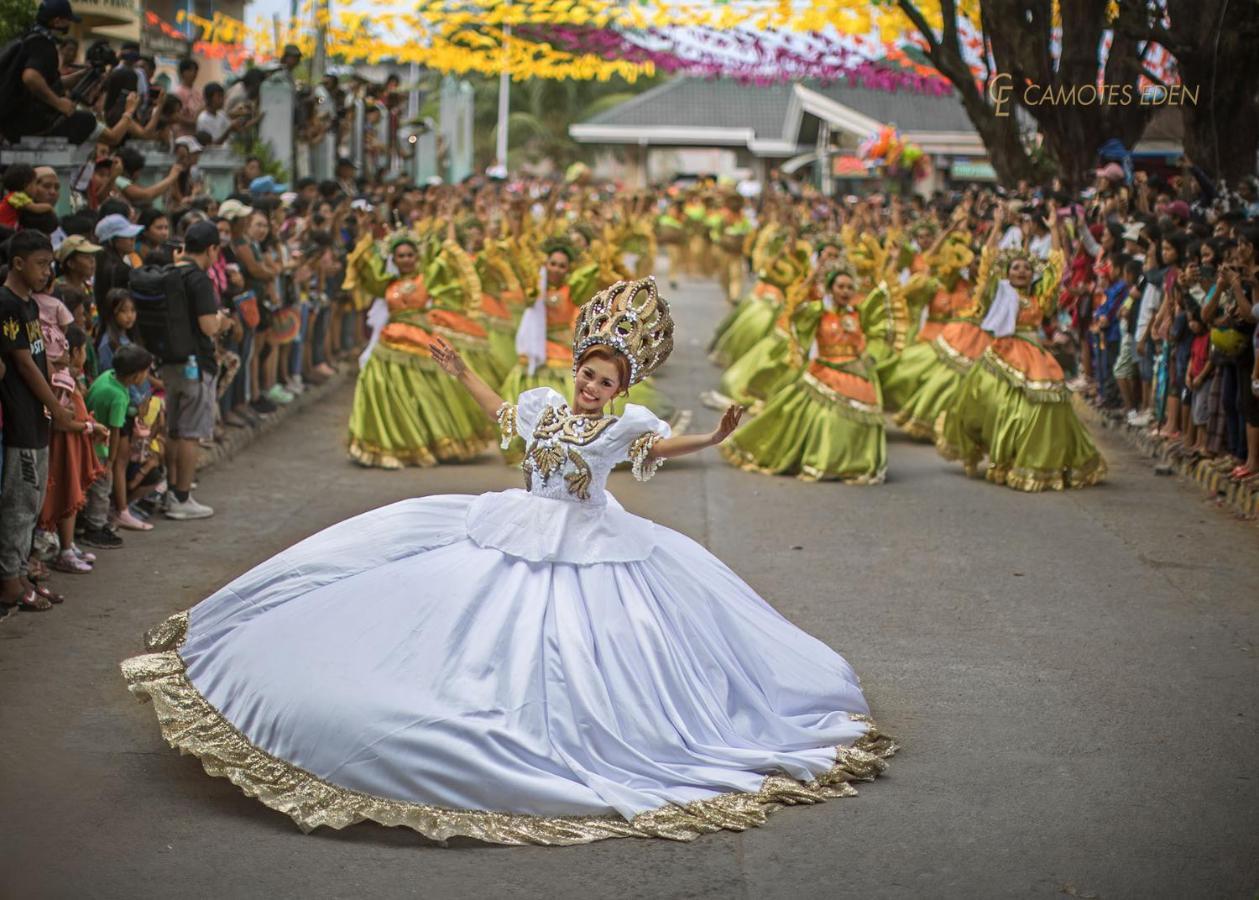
(889, 151)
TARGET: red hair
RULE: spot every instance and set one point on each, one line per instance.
(599, 351)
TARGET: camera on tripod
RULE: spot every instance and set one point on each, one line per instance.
(100, 59)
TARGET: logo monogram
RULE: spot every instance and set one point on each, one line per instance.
(999, 93)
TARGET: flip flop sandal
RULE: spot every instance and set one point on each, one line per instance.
(49, 594)
(32, 602)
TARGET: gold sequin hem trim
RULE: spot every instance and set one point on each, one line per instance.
(190, 724)
(742, 459)
(443, 450)
(844, 406)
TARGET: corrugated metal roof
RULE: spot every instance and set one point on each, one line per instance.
(700, 103)
(908, 111)
(703, 103)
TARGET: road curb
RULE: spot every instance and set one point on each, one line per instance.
(237, 439)
(1241, 498)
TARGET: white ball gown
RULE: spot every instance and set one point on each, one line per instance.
(530, 666)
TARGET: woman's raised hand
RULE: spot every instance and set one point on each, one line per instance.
(448, 358)
(729, 422)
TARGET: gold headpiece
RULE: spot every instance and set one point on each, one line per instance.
(631, 318)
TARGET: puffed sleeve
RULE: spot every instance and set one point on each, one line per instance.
(521, 417)
(636, 433)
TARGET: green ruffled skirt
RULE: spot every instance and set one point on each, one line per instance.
(937, 386)
(407, 412)
(809, 431)
(761, 372)
(901, 375)
(502, 355)
(751, 320)
(1032, 437)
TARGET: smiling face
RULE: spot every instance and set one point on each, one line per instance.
(557, 265)
(405, 258)
(1020, 273)
(596, 381)
(843, 289)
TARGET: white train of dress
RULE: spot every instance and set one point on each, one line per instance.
(524, 666)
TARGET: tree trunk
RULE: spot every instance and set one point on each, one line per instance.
(1000, 134)
(1020, 32)
(1222, 129)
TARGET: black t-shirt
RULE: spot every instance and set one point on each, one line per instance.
(25, 422)
(41, 55)
(199, 292)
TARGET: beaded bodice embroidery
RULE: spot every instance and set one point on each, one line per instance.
(569, 455)
(563, 460)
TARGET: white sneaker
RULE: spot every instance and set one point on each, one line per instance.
(295, 385)
(1141, 420)
(189, 509)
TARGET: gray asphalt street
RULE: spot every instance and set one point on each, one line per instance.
(1072, 678)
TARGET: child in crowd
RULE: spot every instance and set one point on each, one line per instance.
(72, 462)
(109, 402)
(28, 404)
(118, 322)
(18, 179)
(145, 473)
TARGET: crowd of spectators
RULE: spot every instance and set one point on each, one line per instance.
(1162, 285)
(153, 330)
(156, 316)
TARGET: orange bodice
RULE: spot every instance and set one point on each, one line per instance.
(944, 306)
(839, 336)
(407, 293)
(561, 312)
(1030, 313)
(840, 340)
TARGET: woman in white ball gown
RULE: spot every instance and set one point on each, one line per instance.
(529, 666)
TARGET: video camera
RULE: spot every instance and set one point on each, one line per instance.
(100, 58)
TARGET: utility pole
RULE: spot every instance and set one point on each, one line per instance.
(504, 100)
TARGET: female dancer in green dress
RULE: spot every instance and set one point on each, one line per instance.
(827, 422)
(1013, 405)
(919, 385)
(405, 411)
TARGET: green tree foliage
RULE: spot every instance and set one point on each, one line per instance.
(539, 113)
(15, 17)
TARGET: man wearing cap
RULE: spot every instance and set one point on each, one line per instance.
(190, 393)
(290, 58)
(45, 110)
(117, 236)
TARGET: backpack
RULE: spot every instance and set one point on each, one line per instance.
(12, 62)
(162, 316)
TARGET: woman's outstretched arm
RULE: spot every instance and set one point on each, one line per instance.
(452, 363)
(693, 443)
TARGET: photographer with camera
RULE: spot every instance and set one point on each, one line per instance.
(38, 95)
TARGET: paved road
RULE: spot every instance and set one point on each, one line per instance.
(1072, 677)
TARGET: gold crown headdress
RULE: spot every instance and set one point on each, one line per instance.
(1006, 258)
(631, 318)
